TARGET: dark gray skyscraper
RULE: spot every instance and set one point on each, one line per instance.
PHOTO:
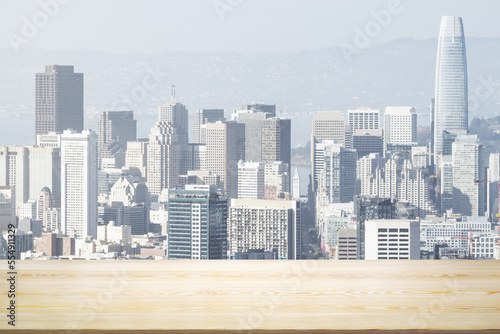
(59, 100)
(451, 104)
(204, 116)
(276, 140)
(116, 128)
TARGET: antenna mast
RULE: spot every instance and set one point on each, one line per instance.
(172, 94)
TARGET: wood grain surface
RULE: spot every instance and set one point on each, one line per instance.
(255, 295)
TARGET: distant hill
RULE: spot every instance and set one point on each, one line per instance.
(488, 132)
(397, 73)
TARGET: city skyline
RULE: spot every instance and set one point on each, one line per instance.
(236, 165)
(74, 181)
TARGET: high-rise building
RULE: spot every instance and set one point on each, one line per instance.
(79, 183)
(469, 196)
(363, 119)
(400, 180)
(370, 208)
(194, 157)
(276, 180)
(44, 201)
(446, 170)
(269, 109)
(28, 210)
(265, 224)
(7, 207)
(136, 157)
(52, 219)
(116, 128)
(204, 116)
(225, 147)
(492, 186)
(197, 224)
(177, 115)
(253, 132)
(251, 180)
(366, 167)
(327, 125)
(451, 97)
(296, 184)
(163, 157)
(337, 178)
(45, 171)
(392, 239)
(14, 171)
(276, 140)
(400, 125)
(58, 100)
(368, 141)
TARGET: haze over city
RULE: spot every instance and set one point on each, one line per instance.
(221, 54)
(352, 148)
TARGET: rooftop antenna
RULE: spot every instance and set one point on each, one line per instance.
(172, 94)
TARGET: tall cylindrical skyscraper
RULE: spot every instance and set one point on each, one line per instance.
(451, 109)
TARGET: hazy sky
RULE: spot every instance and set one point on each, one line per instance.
(248, 26)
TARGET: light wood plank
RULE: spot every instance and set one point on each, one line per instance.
(253, 295)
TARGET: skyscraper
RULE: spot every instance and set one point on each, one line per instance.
(363, 119)
(136, 157)
(400, 125)
(164, 157)
(225, 147)
(253, 132)
(14, 172)
(296, 184)
(177, 115)
(204, 116)
(265, 224)
(368, 208)
(469, 196)
(79, 183)
(368, 141)
(276, 180)
(45, 171)
(115, 129)
(451, 101)
(7, 207)
(251, 180)
(197, 224)
(59, 100)
(327, 125)
(276, 140)
(338, 175)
